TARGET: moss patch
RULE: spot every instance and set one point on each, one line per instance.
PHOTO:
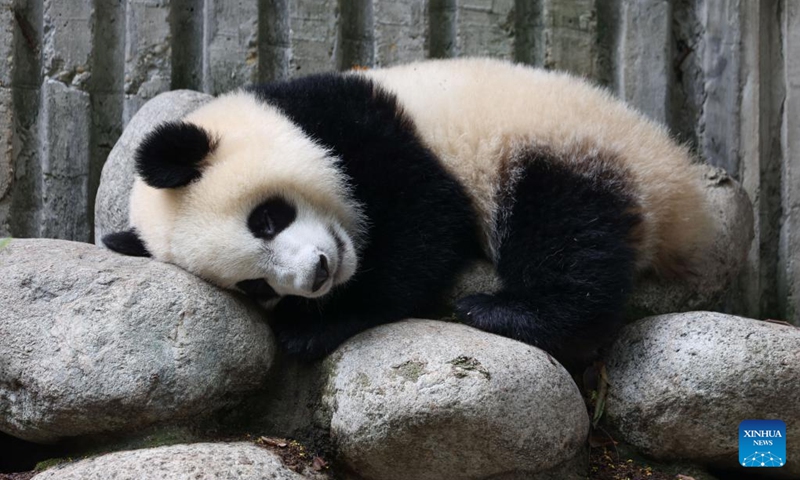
(410, 370)
(50, 463)
(463, 364)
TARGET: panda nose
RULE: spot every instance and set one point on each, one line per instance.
(322, 274)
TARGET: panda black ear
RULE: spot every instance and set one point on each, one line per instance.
(170, 155)
(126, 242)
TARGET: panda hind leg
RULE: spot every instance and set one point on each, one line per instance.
(566, 260)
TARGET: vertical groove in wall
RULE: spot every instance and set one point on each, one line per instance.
(688, 89)
(7, 114)
(106, 90)
(744, 296)
(608, 40)
(789, 285)
(442, 26)
(768, 205)
(529, 32)
(186, 24)
(274, 37)
(356, 37)
(25, 210)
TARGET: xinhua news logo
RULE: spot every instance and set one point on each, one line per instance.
(762, 443)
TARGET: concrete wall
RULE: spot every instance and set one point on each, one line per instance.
(724, 75)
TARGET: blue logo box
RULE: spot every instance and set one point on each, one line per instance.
(762, 443)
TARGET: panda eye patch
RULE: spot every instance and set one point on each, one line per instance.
(271, 217)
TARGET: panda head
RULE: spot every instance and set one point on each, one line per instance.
(239, 195)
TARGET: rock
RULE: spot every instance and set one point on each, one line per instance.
(240, 461)
(98, 342)
(680, 385)
(422, 399)
(111, 205)
(733, 215)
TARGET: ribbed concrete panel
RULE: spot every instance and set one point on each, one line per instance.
(644, 56)
(274, 44)
(68, 45)
(486, 27)
(314, 29)
(148, 56)
(790, 142)
(231, 44)
(400, 31)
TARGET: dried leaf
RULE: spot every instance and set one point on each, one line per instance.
(779, 322)
(272, 442)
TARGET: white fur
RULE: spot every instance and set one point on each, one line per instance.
(202, 227)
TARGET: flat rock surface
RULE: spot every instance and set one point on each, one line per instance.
(422, 399)
(219, 461)
(680, 385)
(93, 341)
(111, 205)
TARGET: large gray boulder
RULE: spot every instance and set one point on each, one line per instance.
(422, 399)
(234, 461)
(679, 385)
(111, 204)
(94, 342)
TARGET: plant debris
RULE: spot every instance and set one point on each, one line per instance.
(606, 465)
(293, 454)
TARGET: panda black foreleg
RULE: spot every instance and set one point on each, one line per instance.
(305, 331)
(566, 260)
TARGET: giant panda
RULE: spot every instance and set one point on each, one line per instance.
(348, 200)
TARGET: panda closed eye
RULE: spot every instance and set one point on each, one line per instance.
(270, 218)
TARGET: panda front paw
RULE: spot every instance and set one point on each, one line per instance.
(301, 343)
(476, 310)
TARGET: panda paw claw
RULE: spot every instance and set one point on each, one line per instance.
(472, 310)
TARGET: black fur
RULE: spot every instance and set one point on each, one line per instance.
(567, 262)
(257, 289)
(421, 227)
(270, 218)
(168, 157)
(126, 242)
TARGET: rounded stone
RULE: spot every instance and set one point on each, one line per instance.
(98, 342)
(111, 204)
(422, 399)
(234, 461)
(732, 214)
(680, 384)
